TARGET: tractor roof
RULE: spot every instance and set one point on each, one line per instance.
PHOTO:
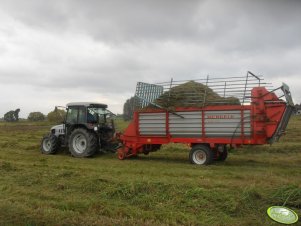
(87, 104)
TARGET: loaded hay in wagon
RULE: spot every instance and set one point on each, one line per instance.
(209, 115)
(192, 94)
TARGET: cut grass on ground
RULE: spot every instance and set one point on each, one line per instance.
(159, 189)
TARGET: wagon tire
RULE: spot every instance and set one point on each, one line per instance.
(50, 144)
(223, 155)
(82, 143)
(201, 155)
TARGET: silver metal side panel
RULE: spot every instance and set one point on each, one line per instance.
(227, 123)
(188, 126)
(217, 124)
(152, 124)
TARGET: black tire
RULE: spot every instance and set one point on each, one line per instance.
(50, 144)
(201, 155)
(222, 156)
(145, 152)
(82, 143)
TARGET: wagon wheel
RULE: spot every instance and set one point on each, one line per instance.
(145, 152)
(222, 156)
(201, 155)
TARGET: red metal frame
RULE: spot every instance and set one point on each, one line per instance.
(266, 113)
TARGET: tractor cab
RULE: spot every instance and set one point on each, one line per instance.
(90, 115)
(87, 128)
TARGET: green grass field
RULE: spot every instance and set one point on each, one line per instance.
(162, 188)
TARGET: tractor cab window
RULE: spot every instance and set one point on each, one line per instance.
(72, 115)
(91, 116)
(81, 115)
(95, 115)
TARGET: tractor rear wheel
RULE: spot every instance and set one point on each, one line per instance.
(50, 144)
(82, 143)
(201, 155)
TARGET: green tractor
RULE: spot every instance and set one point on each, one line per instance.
(87, 128)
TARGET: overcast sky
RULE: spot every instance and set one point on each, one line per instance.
(59, 51)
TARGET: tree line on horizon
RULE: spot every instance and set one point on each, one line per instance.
(57, 116)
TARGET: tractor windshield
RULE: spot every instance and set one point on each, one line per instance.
(99, 111)
(97, 114)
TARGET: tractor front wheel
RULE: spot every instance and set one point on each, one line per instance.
(82, 143)
(201, 155)
(50, 144)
